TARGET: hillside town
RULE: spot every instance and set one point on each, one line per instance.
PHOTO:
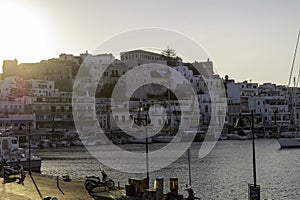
(41, 93)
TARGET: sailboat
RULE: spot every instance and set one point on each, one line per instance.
(292, 138)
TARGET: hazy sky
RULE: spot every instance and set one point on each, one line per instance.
(248, 40)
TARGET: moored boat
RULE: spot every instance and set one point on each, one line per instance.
(12, 154)
(165, 139)
(289, 142)
(134, 140)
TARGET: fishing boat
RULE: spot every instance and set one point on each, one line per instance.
(11, 153)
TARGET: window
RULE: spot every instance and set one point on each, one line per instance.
(53, 109)
(159, 121)
(116, 118)
(206, 108)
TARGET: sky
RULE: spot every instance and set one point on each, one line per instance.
(247, 40)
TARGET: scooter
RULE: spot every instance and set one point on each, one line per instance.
(191, 194)
(92, 182)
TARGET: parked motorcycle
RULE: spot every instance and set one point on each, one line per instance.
(93, 182)
(191, 194)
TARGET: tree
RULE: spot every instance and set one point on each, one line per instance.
(169, 53)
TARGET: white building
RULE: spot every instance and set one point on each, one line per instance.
(184, 71)
(266, 106)
(12, 86)
(40, 88)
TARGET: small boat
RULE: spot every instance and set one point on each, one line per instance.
(223, 137)
(238, 137)
(89, 142)
(76, 143)
(134, 140)
(195, 136)
(289, 142)
(12, 154)
(63, 143)
(45, 143)
(164, 139)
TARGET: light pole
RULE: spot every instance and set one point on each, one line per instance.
(139, 122)
(29, 146)
(275, 117)
(254, 191)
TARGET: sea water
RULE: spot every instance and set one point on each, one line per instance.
(223, 174)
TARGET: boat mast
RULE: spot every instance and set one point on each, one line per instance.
(291, 73)
(294, 58)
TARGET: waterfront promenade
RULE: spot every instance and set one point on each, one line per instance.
(38, 186)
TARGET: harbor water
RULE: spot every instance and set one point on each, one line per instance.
(223, 174)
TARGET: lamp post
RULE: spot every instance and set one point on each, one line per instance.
(275, 117)
(275, 121)
(254, 191)
(29, 146)
(145, 123)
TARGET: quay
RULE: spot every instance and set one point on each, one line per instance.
(38, 186)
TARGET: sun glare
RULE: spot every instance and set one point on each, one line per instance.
(24, 32)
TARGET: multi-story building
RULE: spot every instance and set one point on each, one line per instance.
(203, 68)
(12, 86)
(51, 111)
(265, 107)
(139, 57)
(113, 73)
(11, 106)
(40, 88)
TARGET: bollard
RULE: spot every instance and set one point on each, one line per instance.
(159, 187)
(174, 185)
(57, 182)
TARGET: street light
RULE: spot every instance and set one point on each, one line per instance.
(275, 120)
(254, 191)
(139, 121)
(29, 146)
